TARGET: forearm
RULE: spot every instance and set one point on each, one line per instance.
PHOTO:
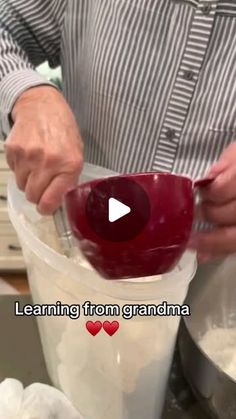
(33, 100)
(29, 35)
(11, 89)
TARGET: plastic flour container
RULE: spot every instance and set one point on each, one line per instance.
(123, 376)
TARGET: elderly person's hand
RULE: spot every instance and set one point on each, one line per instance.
(219, 207)
(44, 147)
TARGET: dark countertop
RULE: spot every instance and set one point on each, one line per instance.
(21, 358)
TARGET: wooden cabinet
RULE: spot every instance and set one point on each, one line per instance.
(11, 258)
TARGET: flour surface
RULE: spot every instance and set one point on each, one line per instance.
(220, 345)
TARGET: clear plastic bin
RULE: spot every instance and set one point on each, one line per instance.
(123, 376)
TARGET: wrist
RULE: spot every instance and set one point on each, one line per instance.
(26, 100)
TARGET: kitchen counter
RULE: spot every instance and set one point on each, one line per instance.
(21, 357)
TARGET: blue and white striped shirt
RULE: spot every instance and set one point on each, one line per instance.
(152, 83)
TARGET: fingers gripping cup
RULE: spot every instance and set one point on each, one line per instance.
(132, 225)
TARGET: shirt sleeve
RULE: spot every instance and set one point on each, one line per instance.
(30, 33)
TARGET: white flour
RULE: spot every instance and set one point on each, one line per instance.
(220, 345)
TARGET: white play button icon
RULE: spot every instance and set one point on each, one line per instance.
(117, 210)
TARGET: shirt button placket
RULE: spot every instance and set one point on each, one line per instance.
(166, 157)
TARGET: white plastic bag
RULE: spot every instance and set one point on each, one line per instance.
(38, 401)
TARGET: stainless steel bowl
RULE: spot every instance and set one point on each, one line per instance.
(212, 298)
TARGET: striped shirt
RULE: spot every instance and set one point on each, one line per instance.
(152, 83)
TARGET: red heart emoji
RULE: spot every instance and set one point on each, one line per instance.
(93, 327)
(111, 327)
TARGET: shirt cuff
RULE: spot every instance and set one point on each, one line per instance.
(11, 87)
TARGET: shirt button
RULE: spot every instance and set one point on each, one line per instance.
(188, 75)
(170, 134)
(206, 8)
